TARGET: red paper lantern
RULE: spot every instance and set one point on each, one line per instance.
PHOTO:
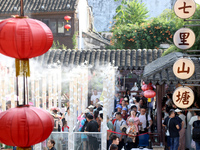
(67, 26)
(149, 94)
(67, 18)
(24, 38)
(147, 87)
(144, 87)
(25, 126)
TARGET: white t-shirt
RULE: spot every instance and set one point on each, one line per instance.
(143, 120)
(192, 120)
(94, 97)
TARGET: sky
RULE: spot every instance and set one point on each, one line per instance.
(197, 1)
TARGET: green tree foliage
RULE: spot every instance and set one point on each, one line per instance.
(130, 12)
(147, 35)
(133, 30)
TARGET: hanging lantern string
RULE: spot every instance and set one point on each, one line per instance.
(21, 8)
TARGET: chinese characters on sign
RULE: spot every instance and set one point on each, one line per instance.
(183, 68)
(184, 8)
(183, 97)
(184, 38)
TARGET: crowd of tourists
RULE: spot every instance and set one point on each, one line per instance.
(132, 118)
(182, 127)
(129, 120)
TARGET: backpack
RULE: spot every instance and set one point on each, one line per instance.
(196, 131)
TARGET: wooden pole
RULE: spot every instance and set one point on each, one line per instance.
(159, 96)
(21, 8)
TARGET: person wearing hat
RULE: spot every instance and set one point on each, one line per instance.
(172, 125)
(124, 113)
(91, 108)
(182, 131)
(119, 123)
(119, 108)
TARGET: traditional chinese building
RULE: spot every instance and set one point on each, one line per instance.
(160, 72)
(52, 13)
(130, 63)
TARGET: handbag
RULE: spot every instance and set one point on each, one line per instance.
(167, 132)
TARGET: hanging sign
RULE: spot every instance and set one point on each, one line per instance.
(183, 97)
(183, 68)
(184, 38)
(184, 8)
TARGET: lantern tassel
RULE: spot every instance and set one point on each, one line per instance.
(22, 67)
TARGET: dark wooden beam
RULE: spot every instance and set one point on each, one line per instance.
(160, 92)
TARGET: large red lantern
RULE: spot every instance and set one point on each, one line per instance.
(24, 38)
(67, 26)
(149, 94)
(67, 18)
(25, 126)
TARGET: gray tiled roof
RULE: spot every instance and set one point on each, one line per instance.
(161, 70)
(13, 6)
(124, 59)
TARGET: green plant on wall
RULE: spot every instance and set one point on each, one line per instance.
(74, 40)
(57, 45)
